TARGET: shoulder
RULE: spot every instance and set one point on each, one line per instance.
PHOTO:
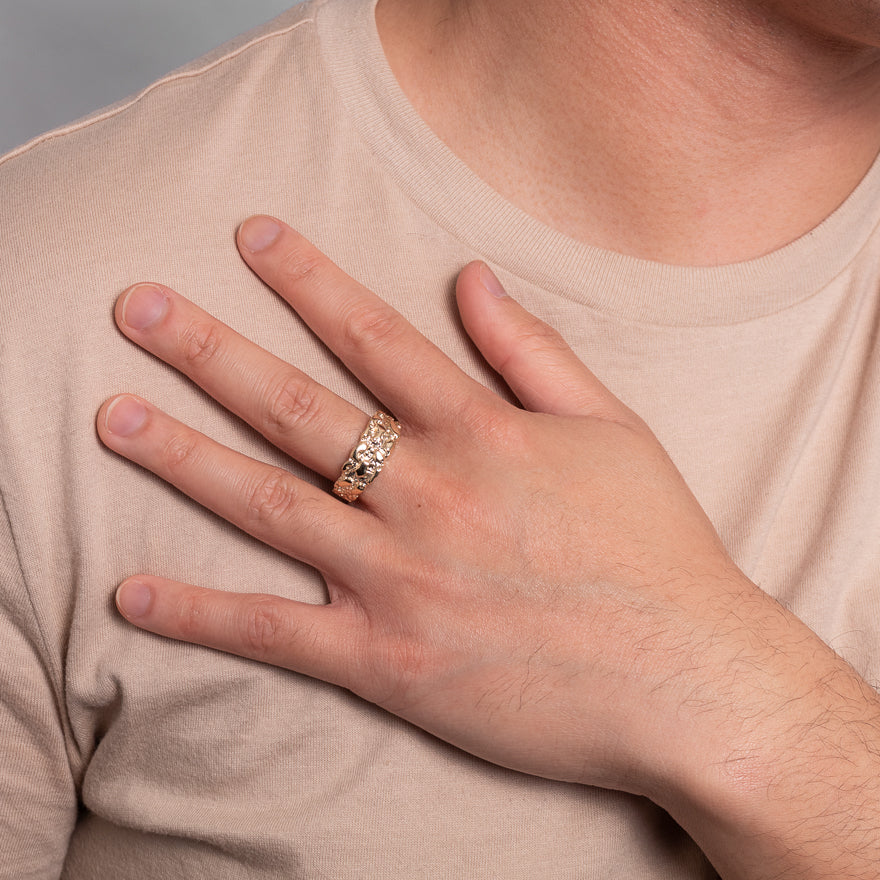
(170, 109)
(125, 172)
(194, 86)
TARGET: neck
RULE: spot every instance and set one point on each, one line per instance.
(696, 133)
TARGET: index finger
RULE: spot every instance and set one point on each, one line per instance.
(370, 337)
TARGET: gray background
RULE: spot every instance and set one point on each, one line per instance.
(61, 59)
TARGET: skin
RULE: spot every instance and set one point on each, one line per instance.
(571, 623)
(689, 132)
(576, 621)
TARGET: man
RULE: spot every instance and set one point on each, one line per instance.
(589, 151)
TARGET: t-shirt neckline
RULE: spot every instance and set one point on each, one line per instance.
(634, 289)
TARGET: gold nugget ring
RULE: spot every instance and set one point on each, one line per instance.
(368, 457)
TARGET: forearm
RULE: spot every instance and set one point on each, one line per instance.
(792, 788)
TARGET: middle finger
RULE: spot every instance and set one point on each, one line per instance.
(382, 349)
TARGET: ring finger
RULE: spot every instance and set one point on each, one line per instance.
(269, 503)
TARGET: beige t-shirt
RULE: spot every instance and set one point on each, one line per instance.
(125, 755)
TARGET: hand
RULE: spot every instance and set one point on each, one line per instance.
(537, 586)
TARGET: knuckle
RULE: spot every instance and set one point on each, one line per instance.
(271, 500)
(495, 427)
(180, 450)
(291, 405)
(200, 342)
(536, 339)
(370, 328)
(193, 611)
(301, 263)
(536, 334)
(264, 627)
(404, 664)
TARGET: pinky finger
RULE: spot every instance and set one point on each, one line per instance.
(315, 640)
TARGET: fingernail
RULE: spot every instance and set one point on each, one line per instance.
(134, 599)
(257, 233)
(124, 416)
(144, 306)
(491, 282)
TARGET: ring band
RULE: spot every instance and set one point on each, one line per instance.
(368, 457)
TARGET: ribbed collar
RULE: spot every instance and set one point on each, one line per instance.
(435, 179)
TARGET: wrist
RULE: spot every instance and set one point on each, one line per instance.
(779, 774)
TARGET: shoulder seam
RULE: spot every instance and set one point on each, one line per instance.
(174, 76)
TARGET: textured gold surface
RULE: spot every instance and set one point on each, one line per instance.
(368, 457)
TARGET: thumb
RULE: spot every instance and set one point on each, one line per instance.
(532, 357)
